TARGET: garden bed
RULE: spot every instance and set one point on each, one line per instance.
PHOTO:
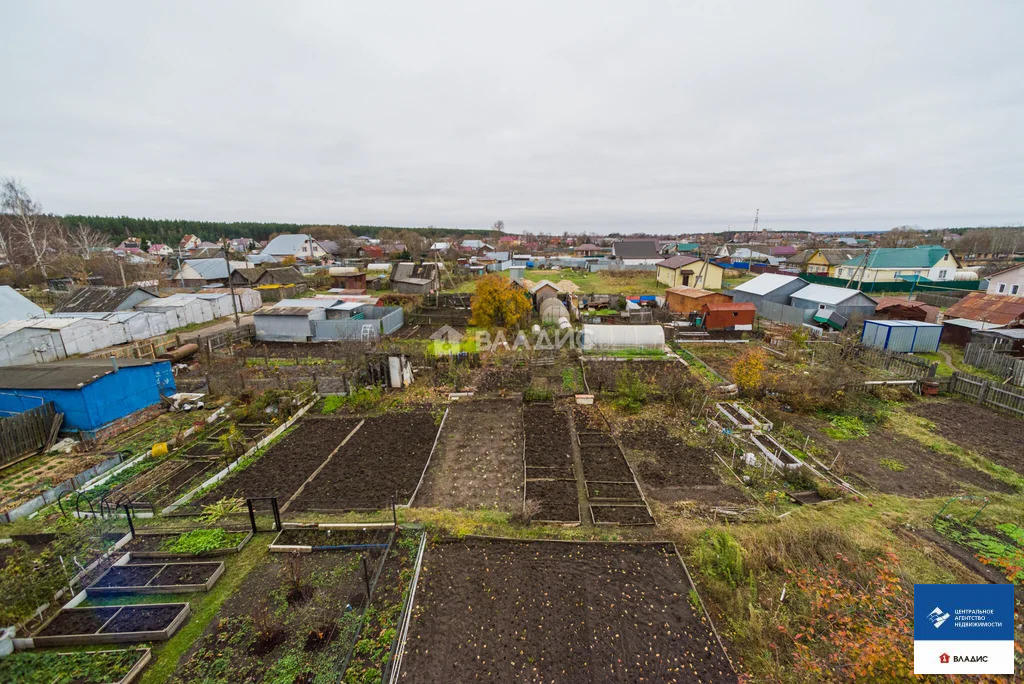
(478, 462)
(605, 464)
(79, 667)
(511, 611)
(547, 437)
(213, 544)
(558, 500)
(112, 624)
(621, 515)
(286, 464)
(156, 578)
(996, 436)
(315, 538)
(385, 457)
(624, 491)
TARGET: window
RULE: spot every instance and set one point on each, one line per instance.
(942, 274)
(1002, 287)
(1015, 289)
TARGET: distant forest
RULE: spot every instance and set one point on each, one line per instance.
(170, 231)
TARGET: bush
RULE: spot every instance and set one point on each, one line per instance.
(719, 555)
(200, 541)
(630, 391)
(749, 371)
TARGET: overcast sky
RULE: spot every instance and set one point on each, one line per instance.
(660, 117)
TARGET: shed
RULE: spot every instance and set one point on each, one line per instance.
(20, 343)
(610, 337)
(545, 289)
(768, 287)
(347, 278)
(221, 301)
(181, 310)
(728, 315)
(959, 331)
(901, 336)
(287, 323)
(91, 393)
(899, 309)
(685, 300)
(89, 299)
(825, 299)
(79, 335)
(989, 308)
(15, 306)
(247, 298)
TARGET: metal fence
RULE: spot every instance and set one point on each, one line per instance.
(869, 286)
(25, 432)
(783, 313)
(1002, 365)
(987, 393)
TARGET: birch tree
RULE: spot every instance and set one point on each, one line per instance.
(85, 240)
(29, 229)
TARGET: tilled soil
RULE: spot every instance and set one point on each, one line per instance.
(78, 621)
(288, 463)
(605, 464)
(558, 499)
(182, 477)
(927, 472)
(329, 537)
(128, 576)
(499, 379)
(613, 490)
(185, 573)
(622, 515)
(547, 437)
(142, 619)
(997, 437)
(479, 458)
(501, 611)
(603, 375)
(384, 458)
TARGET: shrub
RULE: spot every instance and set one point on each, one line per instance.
(719, 555)
(748, 371)
(498, 303)
(630, 391)
(537, 394)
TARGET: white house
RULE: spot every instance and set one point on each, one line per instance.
(160, 249)
(1009, 281)
(299, 245)
(902, 264)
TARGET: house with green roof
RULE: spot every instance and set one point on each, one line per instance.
(923, 263)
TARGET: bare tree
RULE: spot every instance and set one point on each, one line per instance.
(35, 233)
(498, 226)
(902, 236)
(85, 240)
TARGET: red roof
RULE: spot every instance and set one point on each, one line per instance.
(731, 306)
(373, 251)
(990, 308)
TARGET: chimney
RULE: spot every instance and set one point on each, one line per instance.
(113, 362)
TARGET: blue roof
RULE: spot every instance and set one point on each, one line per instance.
(286, 245)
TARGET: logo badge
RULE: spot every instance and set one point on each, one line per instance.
(963, 629)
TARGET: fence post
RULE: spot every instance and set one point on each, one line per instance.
(983, 391)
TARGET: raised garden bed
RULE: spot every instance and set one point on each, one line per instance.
(512, 611)
(155, 546)
(331, 539)
(112, 624)
(287, 464)
(156, 578)
(547, 437)
(621, 515)
(627, 491)
(558, 500)
(384, 458)
(79, 667)
(547, 473)
(605, 464)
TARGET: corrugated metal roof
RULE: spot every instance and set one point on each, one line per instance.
(285, 311)
(636, 249)
(826, 294)
(67, 374)
(765, 283)
(922, 256)
(993, 308)
(14, 305)
(903, 324)
(731, 306)
(213, 269)
(98, 298)
(973, 325)
(286, 245)
(678, 261)
(691, 292)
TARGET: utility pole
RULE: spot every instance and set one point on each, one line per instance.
(231, 285)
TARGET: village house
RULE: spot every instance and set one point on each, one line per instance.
(587, 249)
(160, 249)
(410, 278)
(199, 272)
(688, 271)
(1009, 281)
(299, 245)
(189, 242)
(823, 262)
(636, 252)
(894, 264)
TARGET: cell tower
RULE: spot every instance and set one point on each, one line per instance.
(757, 215)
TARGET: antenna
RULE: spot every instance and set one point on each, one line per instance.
(757, 215)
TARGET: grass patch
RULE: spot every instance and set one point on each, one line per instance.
(702, 370)
(631, 353)
(893, 465)
(195, 542)
(84, 667)
(1003, 552)
(846, 427)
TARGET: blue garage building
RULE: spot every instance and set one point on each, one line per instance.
(91, 393)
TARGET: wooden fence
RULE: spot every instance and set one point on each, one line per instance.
(25, 432)
(988, 393)
(898, 363)
(982, 356)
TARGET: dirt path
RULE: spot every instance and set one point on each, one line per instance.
(577, 466)
(949, 361)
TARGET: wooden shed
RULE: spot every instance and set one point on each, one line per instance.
(685, 300)
(728, 316)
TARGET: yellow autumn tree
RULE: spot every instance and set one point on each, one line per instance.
(498, 303)
(748, 371)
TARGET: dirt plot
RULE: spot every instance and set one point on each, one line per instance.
(547, 437)
(670, 470)
(588, 419)
(925, 474)
(501, 379)
(613, 490)
(605, 464)
(385, 457)
(288, 463)
(558, 499)
(185, 573)
(479, 458)
(128, 576)
(142, 619)
(502, 611)
(997, 437)
(77, 621)
(332, 537)
(622, 515)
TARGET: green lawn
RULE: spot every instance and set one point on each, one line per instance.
(602, 282)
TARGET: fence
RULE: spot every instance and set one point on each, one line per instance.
(986, 393)
(783, 313)
(940, 300)
(25, 432)
(870, 286)
(991, 360)
(898, 363)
